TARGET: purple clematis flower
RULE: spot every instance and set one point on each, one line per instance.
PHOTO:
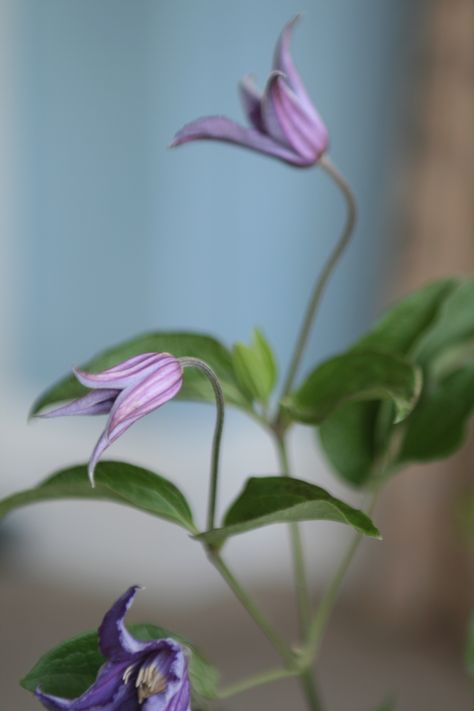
(128, 391)
(285, 123)
(137, 676)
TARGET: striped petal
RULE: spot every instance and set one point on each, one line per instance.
(251, 99)
(287, 121)
(97, 402)
(283, 62)
(123, 374)
(220, 128)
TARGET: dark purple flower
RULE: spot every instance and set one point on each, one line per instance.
(137, 676)
(285, 123)
(128, 391)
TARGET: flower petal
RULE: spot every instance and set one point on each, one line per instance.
(115, 641)
(97, 402)
(288, 122)
(282, 62)
(123, 374)
(108, 693)
(149, 394)
(220, 128)
(251, 99)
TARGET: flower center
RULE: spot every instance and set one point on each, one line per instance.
(150, 681)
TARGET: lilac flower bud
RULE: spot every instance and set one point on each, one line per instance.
(285, 123)
(127, 392)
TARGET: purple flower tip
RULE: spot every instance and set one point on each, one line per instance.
(284, 123)
(137, 676)
(126, 392)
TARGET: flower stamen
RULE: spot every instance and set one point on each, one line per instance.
(150, 681)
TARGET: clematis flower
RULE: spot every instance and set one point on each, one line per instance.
(284, 122)
(137, 676)
(128, 391)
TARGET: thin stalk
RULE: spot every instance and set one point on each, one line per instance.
(242, 595)
(301, 578)
(323, 278)
(326, 606)
(307, 681)
(257, 680)
(309, 689)
(216, 441)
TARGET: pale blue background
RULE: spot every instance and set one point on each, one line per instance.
(121, 235)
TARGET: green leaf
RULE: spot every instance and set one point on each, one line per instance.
(355, 435)
(454, 325)
(352, 377)
(71, 667)
(348, 438)
(438, 425)
(195, 387)
(255, 367)
(115, 481)
(276, 499)
(402, 326)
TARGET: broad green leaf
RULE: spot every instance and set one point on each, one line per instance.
(470, 647)
(352, 377)
(454, 325)
(402, 326)
(437, 426)
(195, 387)
(348, 438)
(255, 367)
(405, 330)
(115, 481)
(71, 667)
(276, 499)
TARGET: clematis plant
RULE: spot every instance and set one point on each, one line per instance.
(403, 392)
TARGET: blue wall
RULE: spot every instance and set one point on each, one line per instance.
(122, 235)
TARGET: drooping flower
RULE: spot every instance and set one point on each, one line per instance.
(127, 391)
(137, 676)
(285, 123)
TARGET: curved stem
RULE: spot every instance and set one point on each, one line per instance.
(322, 280)
(216, 442)
(274, 638)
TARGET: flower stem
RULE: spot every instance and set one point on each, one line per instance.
(326, 606)
(257, 680)
(302, 588)
(216, 442)
(323, 278)
(309, 689)
(274, 638)
(301, 579)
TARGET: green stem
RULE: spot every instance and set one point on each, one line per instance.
(301, 578)
(257, 680)
(309, 689)
(274, 638)
(323, 278)
(326, 606)
(216, 442)
(302, 588)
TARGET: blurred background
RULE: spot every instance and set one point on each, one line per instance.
(105, 233)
